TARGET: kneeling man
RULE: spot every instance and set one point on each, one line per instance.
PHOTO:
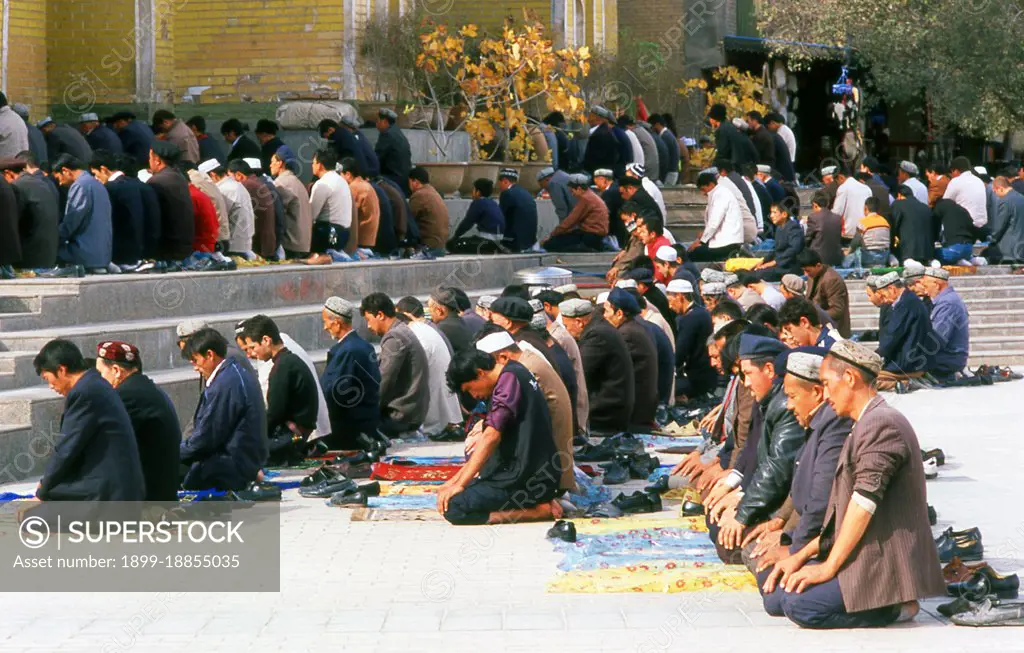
(514, 468)
(228, 445)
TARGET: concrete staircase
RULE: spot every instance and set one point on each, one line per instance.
(686, 204)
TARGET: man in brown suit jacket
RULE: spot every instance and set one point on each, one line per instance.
(826, 289)
(824, 230)
(428, 209)
(264, 240)
(876, 552)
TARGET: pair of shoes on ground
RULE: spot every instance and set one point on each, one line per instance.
(986, 612)
(626, 466)
(965, 545)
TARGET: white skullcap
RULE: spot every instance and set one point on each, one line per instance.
(536, 305)
(731, 280)
(764, 169)
(340, 307)
(604, 172)
(145, 175)
(254, 163)
(539, 321)
(828, 170)
(602, 298)
(575, 308)
(666, 253)
(88, 117)
(495, 342)
(190, 326)
(624, 283)
(937, 273)
(980, 170)
(485, 301)
(545, 173)
(712, 289)
(679, 286)
(210, 164)
(569, 287)
(689, 142)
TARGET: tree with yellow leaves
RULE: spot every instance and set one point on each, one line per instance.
(739, 91)
(498, 78)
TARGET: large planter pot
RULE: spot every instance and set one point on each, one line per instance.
(446, 178)
(368, 110)
(476, 170)
(423, 118)
(528, 176)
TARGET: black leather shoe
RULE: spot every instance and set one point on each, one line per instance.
(563, 530)
(69, 271)
(940, 458)
(371, 489)
(956, 606)
(580, 439)
(615, 473)
(692, 509)
(348, 498)
(328, 487)
(932, 517)
(624, 443)
(260, 492)
(660, 486)
(968, 547)
(590, 453)
(984, 583)
(451, 433)
(638, 502)
(320, 475)
(642, 466)
(949, 533)
(360, 458)
(316, 449)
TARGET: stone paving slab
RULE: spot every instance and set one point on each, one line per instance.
(390, 586)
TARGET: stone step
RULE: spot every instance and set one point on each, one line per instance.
(1009, 303)
(969, 282)
(988, 319)
(690, 194)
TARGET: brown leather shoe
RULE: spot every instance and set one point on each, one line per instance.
(957, 571)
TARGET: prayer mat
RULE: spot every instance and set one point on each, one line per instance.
(683, 494)
(404, 502)
(407, 488)
(652, 441)
(393, 472)
(740, 263)
(6, 497)
(191, 496)
(600, 526)
(665, 576)
(377, 514)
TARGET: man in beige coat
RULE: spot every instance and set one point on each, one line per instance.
(875, 556)
(202, 181)
(299, 215)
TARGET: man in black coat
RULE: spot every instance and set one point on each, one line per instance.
(789, 242)
(762, 139)
(912, 224)
(520, 210)
(266, 134)
(607, 367)
(240, 146)
(625, 148)
(127, 215)
(444, 314)
(695, 377)
(783, 163)
(152, 415)
(64, 139)
(392, 150)
(345, 144)
(602, 146)
(136, 136)
(209, 147)
(96, 458)
(620, 311)
(98, 135)
(38, 211)
(177, 217)
(668, 158)
(10, 242)
(730, 144)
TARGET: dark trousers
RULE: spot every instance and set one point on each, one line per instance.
(474, 505)
(703, 253)
(772, 600)
(474, 245)
(821, 606)
(393, 428)
(576, 241)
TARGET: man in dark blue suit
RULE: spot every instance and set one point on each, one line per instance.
(228, 445)
(98, 135)
(625, 148)
(352, 124)
(96, 457)
(127, 208)
(907, 343)
(520, 211)
(350, 381)
(136, 136)
(603, 150)
(345, 144)
(789, 241)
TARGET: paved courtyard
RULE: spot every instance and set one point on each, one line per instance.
(401, 586)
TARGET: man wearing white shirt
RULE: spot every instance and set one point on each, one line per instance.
(723, 221)
(968, 191)
(849, 204)
(907, 175)
(330, 202)
(241, 218)
(627, 125)
(726, 180)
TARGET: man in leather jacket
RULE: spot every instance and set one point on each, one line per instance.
(752, 492)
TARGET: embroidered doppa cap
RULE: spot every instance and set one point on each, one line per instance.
(575, 308)
(340, 307)
(857, 355)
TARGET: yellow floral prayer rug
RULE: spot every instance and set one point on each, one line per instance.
(598, 526)
(389, 488)
(683, 494)
(378, 514)
(656, 576)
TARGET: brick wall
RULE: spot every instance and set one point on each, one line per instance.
(491, 15)
(258, 50)
(26, 67)
(91, 52)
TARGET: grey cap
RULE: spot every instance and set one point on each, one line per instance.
(805, 365)
(887, 280)
(539, 321)
(794, 283)
(709, 275)
(340, 307)
(937, 273)
(575, 308)
(604, 172)
(485, 301)
(731, 280)
(871, 281)
(857, 355)
(387, 113)
(909, 167)
(913, 272)
(44, 122)
(712, 289)
(569, 287)
(580, 179)
(351, 121)
(545, 173)
(190, 326)
(21, 110)
(600, 111)
(445, 297)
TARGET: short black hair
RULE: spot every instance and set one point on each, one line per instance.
(377, 302)
(484, 186)
(785, 205)
(103, 159)
(351, 166)
(961, 163)
(327, 157)
(629, 208)
(68, 161)
(31, 159)
(198, 122)
(937, 167)
(264, 126)
(162, 115)
(126, 164)
(654, 224)
(747, 278)
(763, 314)
(239, 165)
(324, 125)
(794, 309)
(871, 204)
(724, 165)
(549, 296)
(808, 258)
(727, 308)
(656, 119)
(258, 326)
(904, 190)
(234, 125)
(462, 302)
(730, 329)
(410, 305)
(755, 115)
(748, 170)
(821, 199)
(555, 118)
(134, 365)
(420, 174)
(705, 178)
(390, 120)
(57, 353)
(203, 341)
(516, 290)
(466, 366)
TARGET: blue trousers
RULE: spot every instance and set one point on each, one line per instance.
(821, 606)
(950, 254)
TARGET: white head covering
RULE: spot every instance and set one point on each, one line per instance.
(254, 163)
(623, 283)
(679, 286)
(145, 175)
(666, 253)
(210, 164)
(495, 342)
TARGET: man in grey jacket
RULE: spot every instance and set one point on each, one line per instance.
(13, 133)
(556, 183)
(1008, 228)
(404, 388)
